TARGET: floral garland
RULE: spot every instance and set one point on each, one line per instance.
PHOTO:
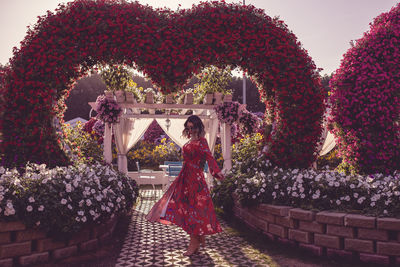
(234, 112)
(168, 47)
(249, 122)
(366, 101)
(228, 112)
(107, 109)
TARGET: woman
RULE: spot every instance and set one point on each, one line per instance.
(187, 202)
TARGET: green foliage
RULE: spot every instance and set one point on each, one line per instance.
(222, 193)
(246, 150)
(212, 79)
(330, 160)
(81, 146)
(166, 151)
(347, 168)
(116, 77)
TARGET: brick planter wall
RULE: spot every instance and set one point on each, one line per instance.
(328, 234)
(20, 246)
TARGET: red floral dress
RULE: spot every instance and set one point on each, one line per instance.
(187, 202)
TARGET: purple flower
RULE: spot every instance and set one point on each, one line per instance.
(107, 110)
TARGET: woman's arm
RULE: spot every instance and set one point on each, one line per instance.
(212, 163)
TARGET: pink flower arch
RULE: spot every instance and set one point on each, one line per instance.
(365, 98)
(168, 47)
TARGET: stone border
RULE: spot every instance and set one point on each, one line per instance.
(20, 246)
(328, 234)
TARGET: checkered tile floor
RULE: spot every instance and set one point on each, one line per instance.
(155, 244)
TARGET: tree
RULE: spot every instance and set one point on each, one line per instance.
(86, 90)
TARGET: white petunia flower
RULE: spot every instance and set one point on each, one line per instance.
(64, 201)
(29, 208)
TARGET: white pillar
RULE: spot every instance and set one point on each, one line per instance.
(123, 163)
(107, 143)
(226, 146)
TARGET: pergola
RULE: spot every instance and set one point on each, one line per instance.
(133, 123)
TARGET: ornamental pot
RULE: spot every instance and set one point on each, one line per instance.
(228, 98)
(208, 99)
(120, 96)
(169, 99)
(130, 98)
(217, 98)
(188, 99)
(149, 98)
(109, 94)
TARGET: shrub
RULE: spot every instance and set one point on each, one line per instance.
(63, 200)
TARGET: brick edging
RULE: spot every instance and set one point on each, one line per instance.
(24, 247)
(327, 234)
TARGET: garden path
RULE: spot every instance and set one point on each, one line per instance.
(155, 244)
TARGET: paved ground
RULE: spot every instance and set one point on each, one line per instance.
(137, 242)
(155, 244)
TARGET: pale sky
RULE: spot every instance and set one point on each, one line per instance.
(324, 27)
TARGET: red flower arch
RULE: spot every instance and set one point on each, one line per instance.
(168, 47)
(366, 98)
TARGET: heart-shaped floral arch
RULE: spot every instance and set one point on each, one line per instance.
(169, 47)
(366, 98)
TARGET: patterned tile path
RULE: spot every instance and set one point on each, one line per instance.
(148, 244)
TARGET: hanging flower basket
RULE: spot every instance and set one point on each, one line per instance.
(228, 112)
(107, 110)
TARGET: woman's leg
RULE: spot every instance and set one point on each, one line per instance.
(202, 239)
(193, 246)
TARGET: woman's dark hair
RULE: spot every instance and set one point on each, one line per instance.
(197, 124)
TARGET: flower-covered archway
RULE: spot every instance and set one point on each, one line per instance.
(366, 98)
(168, 47)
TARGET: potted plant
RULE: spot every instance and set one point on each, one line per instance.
(116, 78)
(213, 80)
(188, 97)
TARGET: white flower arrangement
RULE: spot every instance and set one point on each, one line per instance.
(62, 200)
(376, 195)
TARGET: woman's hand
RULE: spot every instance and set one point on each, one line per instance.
(220, 176)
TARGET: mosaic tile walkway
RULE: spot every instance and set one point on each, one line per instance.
(148, 244)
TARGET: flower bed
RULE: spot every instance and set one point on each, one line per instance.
(255, 180)
(49, 214)
(328, 234)
(64, 200)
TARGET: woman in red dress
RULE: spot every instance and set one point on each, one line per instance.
(187, 202)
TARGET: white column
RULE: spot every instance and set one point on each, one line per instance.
(123, 163)
(107, 143)
(226, 146)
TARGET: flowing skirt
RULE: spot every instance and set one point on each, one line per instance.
(187, 203)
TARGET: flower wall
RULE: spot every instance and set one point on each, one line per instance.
(168, 47)
(366, 98)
